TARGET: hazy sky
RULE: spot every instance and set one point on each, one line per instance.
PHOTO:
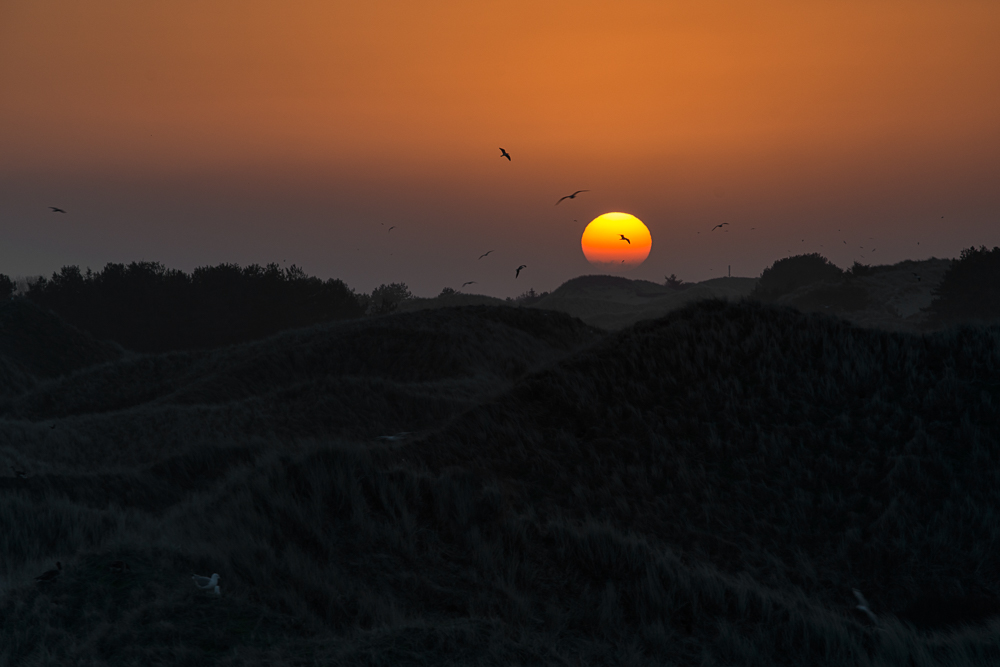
(195, 133)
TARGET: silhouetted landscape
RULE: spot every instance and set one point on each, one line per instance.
(615, 472)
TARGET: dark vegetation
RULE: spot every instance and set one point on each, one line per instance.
(970, 291)
(702, 489)
(148, 308)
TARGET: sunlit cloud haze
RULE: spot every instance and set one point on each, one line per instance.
(195, 133)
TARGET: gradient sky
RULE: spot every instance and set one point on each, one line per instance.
(195, 133)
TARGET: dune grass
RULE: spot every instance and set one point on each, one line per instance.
(702, 489)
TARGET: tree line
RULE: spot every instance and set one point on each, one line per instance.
(147, 307)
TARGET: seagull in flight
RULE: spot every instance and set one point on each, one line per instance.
(719, 225)
(505, 154)
(471, 282)
(484, 254)
(56, 210)
(391, 228)
(572, 196)
(626, 240)
(518, 272)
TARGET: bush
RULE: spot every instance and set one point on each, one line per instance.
(146, 307)
(6, 287)
(789, 274)
(969, 290)
(673, 282)
(386, 298)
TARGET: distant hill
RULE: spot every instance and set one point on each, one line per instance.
(613, 302)
(889, 297)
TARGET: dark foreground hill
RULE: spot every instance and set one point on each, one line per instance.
(36, 345)
(703, 489)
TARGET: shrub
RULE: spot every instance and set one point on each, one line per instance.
(6, 287)
(673, 282)
(969, 290)
(787, 275)
(386, 298)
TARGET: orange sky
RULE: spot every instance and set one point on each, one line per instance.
(195, 133)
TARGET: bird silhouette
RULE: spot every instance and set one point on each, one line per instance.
(864, 605)
(505, 154)
(50, 575)
(20, 474)
(119, 566)
(471, 282)
(719, 225)
(56, 210)
(484, 254)
(625, 239)
(518, 272)
(572, 196)
(205, 583)
(391, 228)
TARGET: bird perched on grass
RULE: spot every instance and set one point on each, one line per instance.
(119, 566)
(518, 272)
(572, 196)
(206, 583)
(505, 154)
(50, 575)
(864, 605)
(625, 239)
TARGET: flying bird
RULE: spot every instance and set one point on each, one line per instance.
(518, 272)
(20, 474)
(505, 154)
(864, 605)
(204, 583)
(484, 254)
(51, 574)
(719, 225)
(391, 228)
(625, 239)
(572, 196)
(56, 210)
(471, 282)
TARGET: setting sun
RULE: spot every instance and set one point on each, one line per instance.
(615, 241)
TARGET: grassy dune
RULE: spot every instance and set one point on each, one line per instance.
(701, 489)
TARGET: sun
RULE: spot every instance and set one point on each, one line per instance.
(604, 246)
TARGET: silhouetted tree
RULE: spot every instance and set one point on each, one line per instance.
(787, 275)
(529, 297)
(673, 282)
(969, 289)
(146, 307)
(6, 287)
(446, 291)
(386, 298)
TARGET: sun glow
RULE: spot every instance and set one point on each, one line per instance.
(615, 241)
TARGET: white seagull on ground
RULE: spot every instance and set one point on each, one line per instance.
(864, 605)
(204, 583)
